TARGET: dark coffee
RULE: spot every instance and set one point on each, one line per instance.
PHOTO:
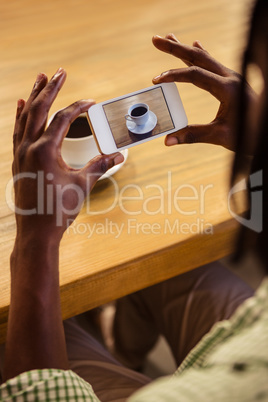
(79, 128)
(138, 111)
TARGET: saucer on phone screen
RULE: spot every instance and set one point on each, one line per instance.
(145, 128)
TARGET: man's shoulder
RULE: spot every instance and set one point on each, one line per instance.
(49, 385)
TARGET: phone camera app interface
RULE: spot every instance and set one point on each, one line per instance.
(138, 117)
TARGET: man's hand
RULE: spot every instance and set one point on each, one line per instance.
(47, 191)
(206, 73)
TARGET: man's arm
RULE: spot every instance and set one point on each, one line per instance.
(35, 333)
(35, 337)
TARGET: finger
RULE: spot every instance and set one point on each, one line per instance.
(195, 44)
(198, 44)
(207, 133)
(20, 106)
(39, 84)
(61, 122)
(199, 77)
(191, 55)
(40, 106)
(172, 37)
(99, 165)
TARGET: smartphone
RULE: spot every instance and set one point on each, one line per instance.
(137, 117)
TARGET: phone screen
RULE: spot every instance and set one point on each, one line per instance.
(139, 116)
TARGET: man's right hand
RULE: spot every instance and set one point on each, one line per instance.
(207, 73)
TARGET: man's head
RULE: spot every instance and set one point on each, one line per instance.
(253, 121)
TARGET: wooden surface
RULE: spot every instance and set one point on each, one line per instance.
(105, 46)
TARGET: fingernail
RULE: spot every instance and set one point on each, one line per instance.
(20, 106)
(90, 101)
(58, 73)
(155, 79)
(118, 159)
(39, 78)
(20, 103)
(199, 44)
(171, 35)
(171, 141)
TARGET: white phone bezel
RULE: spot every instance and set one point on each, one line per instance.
(102, 132)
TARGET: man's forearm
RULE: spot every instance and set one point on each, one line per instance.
(35, 337)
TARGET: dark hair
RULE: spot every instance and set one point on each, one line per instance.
(248, 238)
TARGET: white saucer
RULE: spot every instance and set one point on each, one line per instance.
(145, 128)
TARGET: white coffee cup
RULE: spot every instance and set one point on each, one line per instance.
(79, 146)
(138, 113)
(76, 152)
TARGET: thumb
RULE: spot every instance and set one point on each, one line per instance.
(100, 164)
(193, 134)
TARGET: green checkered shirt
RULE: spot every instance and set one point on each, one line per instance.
(229, 364)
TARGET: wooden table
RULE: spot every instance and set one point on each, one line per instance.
(138, 227)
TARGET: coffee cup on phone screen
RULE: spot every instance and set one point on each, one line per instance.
(138, 114)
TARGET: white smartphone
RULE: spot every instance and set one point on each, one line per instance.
(137, 117)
